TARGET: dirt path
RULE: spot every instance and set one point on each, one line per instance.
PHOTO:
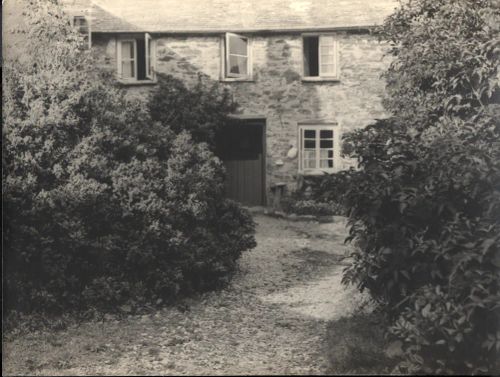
(271, 319)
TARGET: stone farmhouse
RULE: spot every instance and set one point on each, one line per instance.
(303, 72)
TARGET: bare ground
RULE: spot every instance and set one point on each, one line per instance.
(272, 319)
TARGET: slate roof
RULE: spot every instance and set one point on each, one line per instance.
(187, 16)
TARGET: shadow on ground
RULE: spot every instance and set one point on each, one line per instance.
(285, 312)
(356, 346)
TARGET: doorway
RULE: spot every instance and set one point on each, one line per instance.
(241, 147)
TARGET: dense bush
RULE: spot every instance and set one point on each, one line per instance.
(202, 109)
(308, 207)
(319, 195)
(424, 208)
(331, 188)
(102, 205)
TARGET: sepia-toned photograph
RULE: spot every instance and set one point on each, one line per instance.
(250, 187)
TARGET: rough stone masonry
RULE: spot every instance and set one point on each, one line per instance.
(277, 90)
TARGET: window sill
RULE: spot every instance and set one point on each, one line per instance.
(230, 79)
(317, 172)
(320, 79)
(137, 82)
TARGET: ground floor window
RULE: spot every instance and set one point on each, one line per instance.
(319, 148)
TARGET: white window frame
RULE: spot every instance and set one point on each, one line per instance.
(336, 129)
(225, 61)
(150, 60)
(120, 59)
(150, 56)
(88, 26)
(335, 75)
(323, 43)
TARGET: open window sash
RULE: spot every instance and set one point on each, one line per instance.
(130, 58)
(89, 26)
(150, 56)
(327, 55)
(241, 59)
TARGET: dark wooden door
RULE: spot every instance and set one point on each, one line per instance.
(241, 148)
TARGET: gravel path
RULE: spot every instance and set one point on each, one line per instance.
(271, 319)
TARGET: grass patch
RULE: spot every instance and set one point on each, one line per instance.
(356, 345)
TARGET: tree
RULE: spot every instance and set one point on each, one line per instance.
(103, 206)
(424, 208)
(202, 109)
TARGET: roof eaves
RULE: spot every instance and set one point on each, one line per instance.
(250, 31)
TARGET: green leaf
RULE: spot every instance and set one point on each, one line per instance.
(426, 310)
(488, 243)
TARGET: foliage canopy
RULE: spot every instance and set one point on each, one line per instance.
(103, 205)
(202, 109)
(424, 208)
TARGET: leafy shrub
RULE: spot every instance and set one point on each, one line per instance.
(320, 195)
(356, 345)
(308, 207)
(424, 209)
(202, 109)
(331, 188)
(103, 206)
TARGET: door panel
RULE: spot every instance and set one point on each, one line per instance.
(240, 147)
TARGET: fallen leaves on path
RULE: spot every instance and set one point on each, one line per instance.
(271, 319)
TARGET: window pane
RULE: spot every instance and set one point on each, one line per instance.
(81, 24)
(310, 164)
(237, 45)
(127, 50)
(323, 153)
(326, 144)
(326, 153)
(310, 134)
(326, 50)
(326, 40)
(326, 163)
(309, 143)
(127, 69)
(308, 154)
(326, 59)
(238, 65)
(326, 134)
(327, 69)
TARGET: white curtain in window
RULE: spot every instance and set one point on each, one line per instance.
(318, 148)
(127, 49)
(236, 55)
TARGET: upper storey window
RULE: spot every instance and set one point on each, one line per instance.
(82, 25)
(320, 57)
(136, 59)
(237, 54)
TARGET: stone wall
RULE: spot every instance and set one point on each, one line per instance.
(277, 91)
